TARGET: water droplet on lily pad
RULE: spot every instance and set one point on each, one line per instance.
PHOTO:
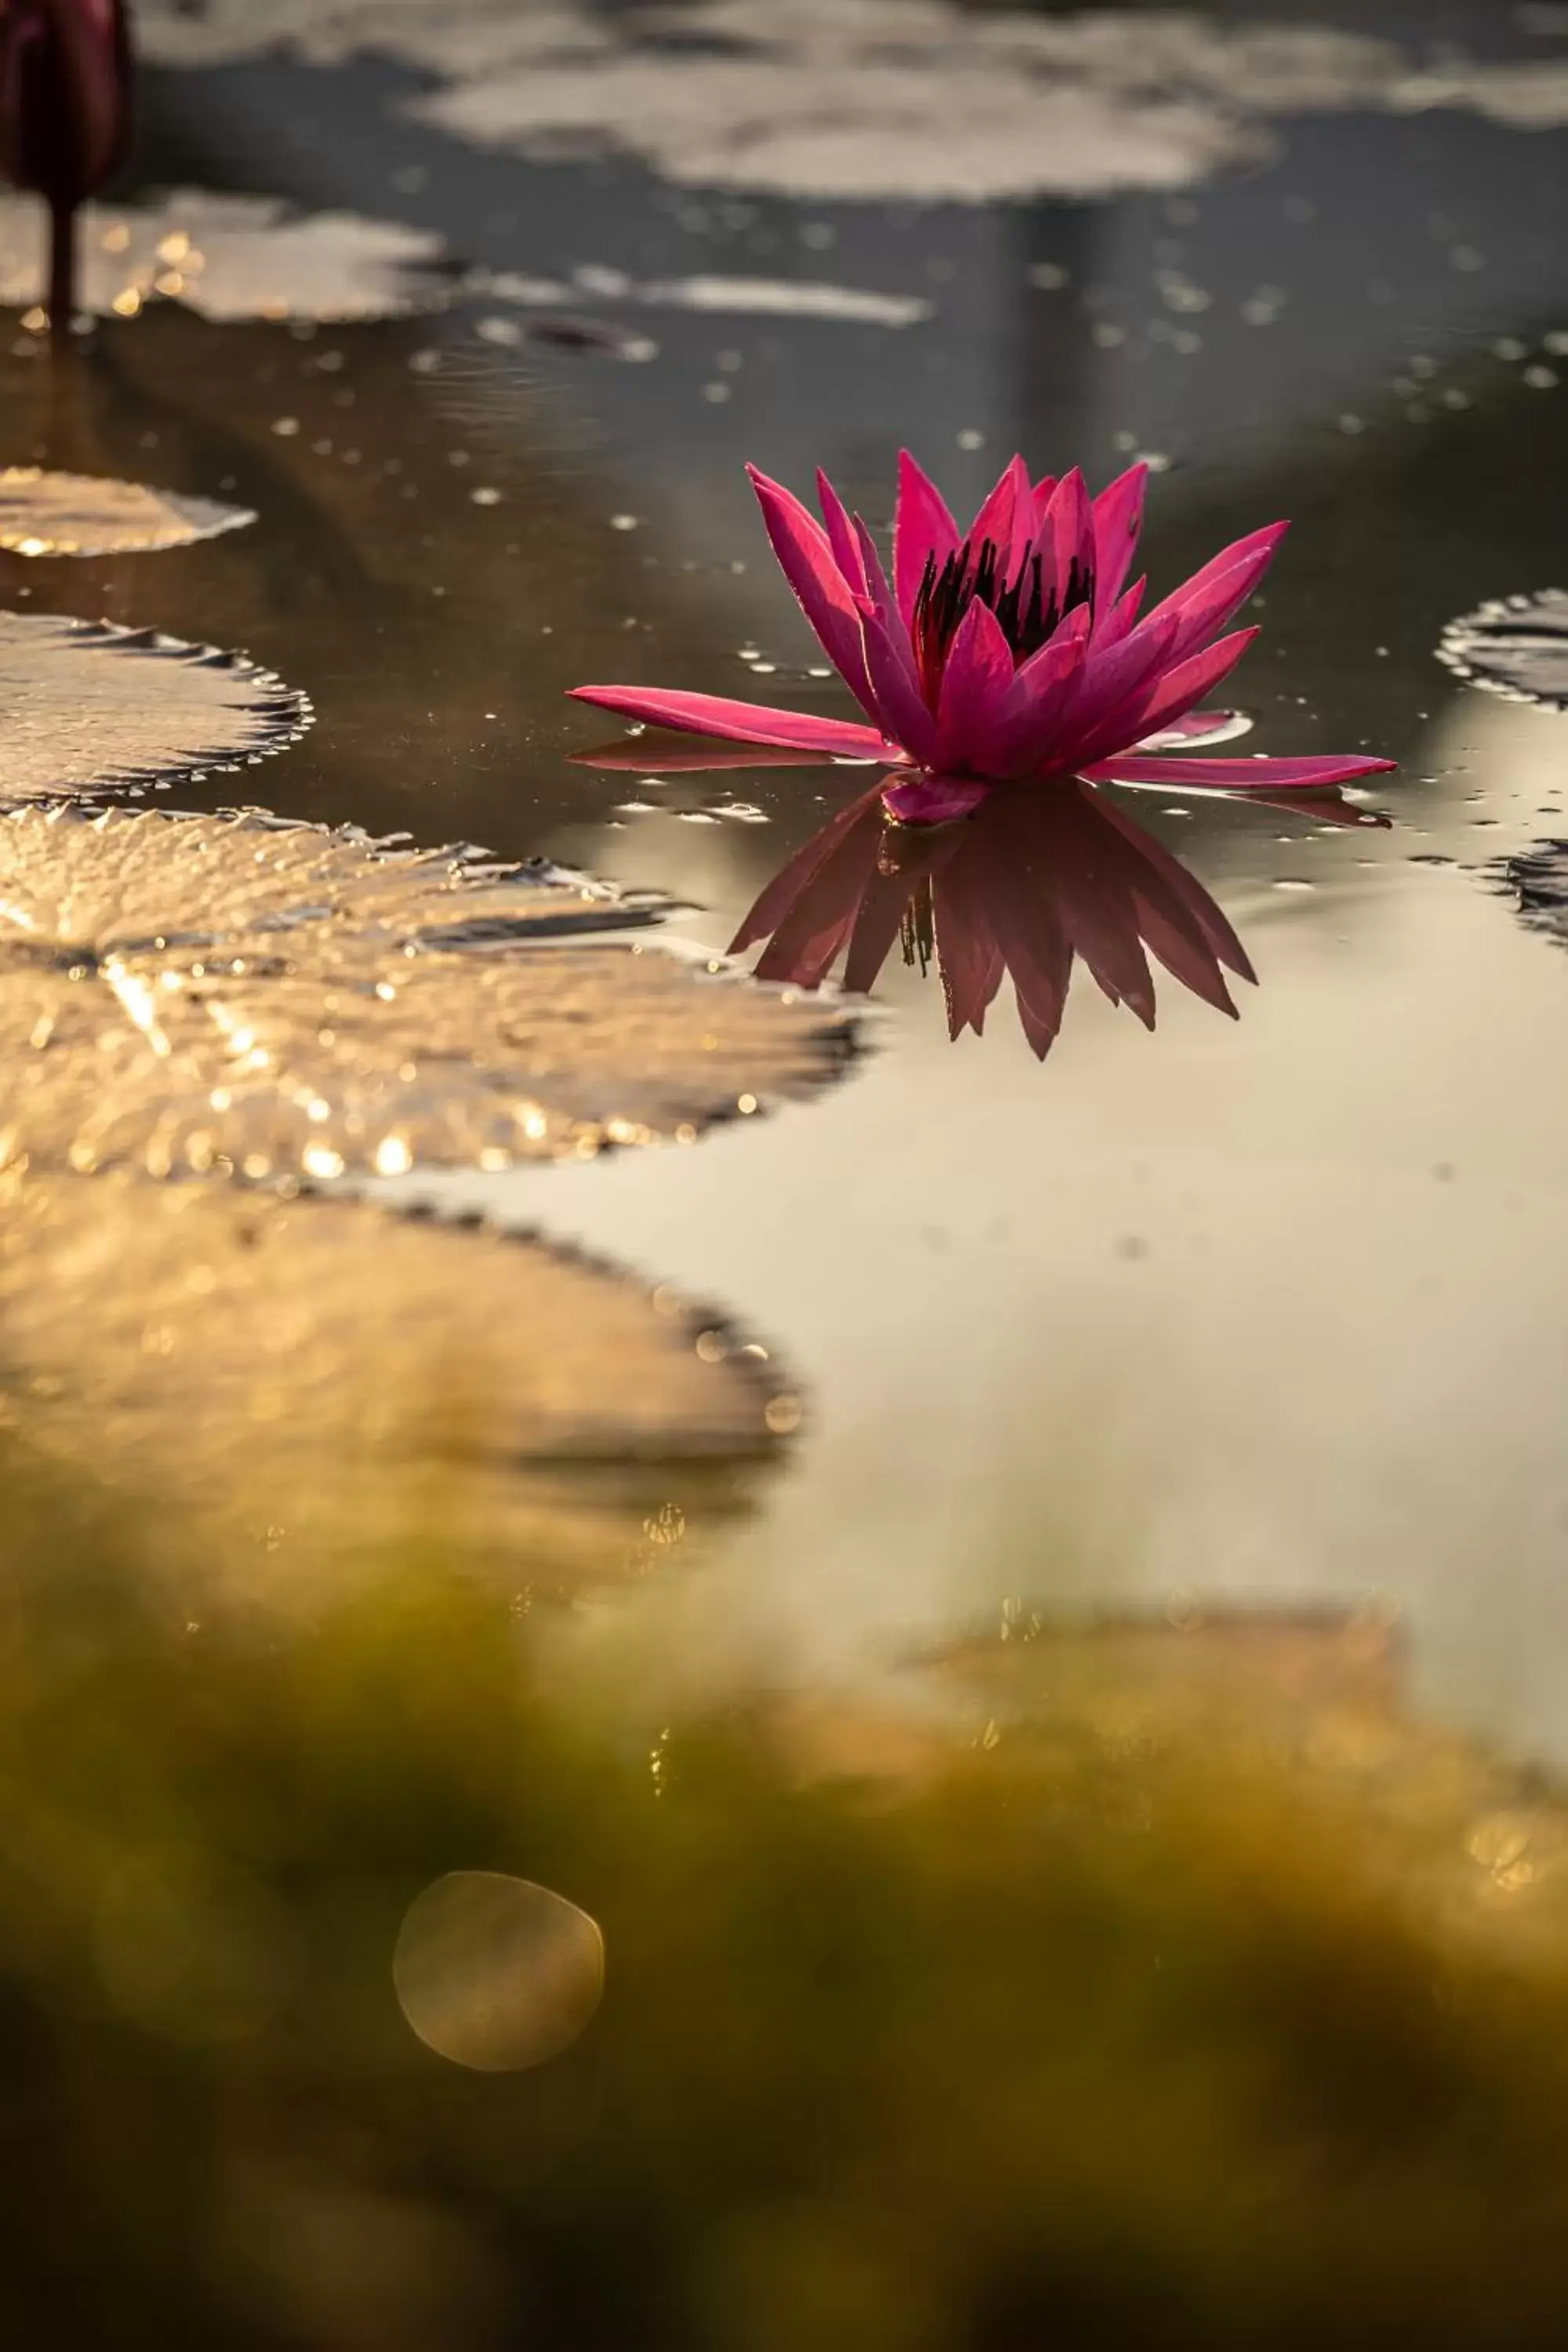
(190, 994)
(298, 1383)
(81, 514)
(92, 708)
(1514, 646)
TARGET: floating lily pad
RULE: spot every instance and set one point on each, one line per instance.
(85, 514)
(233, 257)
(228, 994)
(302, 1381)
(1515, 645)
(86, 706)
(1537, 881)
(874, 97)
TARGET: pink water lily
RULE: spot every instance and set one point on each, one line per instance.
(1013, 650)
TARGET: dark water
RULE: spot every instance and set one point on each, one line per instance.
(1203, 1984)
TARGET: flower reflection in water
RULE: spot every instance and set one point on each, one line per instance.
(1023, 885)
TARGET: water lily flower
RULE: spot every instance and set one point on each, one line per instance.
(1026, 884)
(65, 114)
(1014, 650)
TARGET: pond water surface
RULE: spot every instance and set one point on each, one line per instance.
(1229, 1325)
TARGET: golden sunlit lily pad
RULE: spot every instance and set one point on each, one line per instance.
(86, 706)
(227, 993)
(307, 1380)
(83, 514)
(232, 256)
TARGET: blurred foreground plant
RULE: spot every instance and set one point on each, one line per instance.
(1131, 1987)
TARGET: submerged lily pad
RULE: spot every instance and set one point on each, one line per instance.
(1515, 645)
(303, 1381)
(88, 706)
(229, 993)
(233, 256)
(1214, 1698)
(1537, 881)
(85, 514)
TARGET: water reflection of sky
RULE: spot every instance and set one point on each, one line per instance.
(1269, 1307)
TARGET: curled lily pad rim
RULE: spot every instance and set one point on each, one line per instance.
(1457, 647)
(288, 708)
(735, 1345)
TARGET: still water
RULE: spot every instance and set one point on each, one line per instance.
(1248, 1334)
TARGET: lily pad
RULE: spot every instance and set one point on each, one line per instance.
(185, 994)
(84, 514)
(1214, 1701)
(1515, 645)
(86, 707)
(1537, 881)
(233, 256)
(302, 1381)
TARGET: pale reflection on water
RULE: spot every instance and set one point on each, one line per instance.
(1271, 1310)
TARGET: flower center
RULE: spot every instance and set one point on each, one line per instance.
(1028, 616)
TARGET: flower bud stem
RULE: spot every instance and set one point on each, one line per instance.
(62, 269)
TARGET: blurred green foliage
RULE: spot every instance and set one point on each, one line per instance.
(910, 2042)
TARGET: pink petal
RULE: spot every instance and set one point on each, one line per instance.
(922, 530)
(880, 604)
(739, 722)
(1068, 532)
(1042, 689)
(1044, 492)
(1208, 599)
(841, 536)
(1110, 680)
(976, 692)
(933, 800)
(903, 709)
(994, 520)
(806, 559)
(1257, 775)
(1118, 518)
(1172, 692)
(1119, 621)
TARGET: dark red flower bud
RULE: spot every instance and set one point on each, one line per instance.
(65, 95)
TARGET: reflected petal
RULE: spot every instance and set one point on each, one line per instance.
(1020, 881)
